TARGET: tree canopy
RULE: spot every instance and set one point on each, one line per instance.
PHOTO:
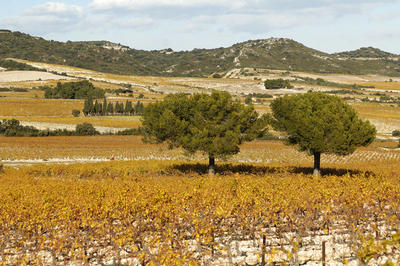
(320, 123)
(73, 90)
(213, 124)
(271, 84)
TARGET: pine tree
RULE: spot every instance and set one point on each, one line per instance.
(320, 123)
(213, 124)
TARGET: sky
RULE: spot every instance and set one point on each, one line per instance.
(326, 25)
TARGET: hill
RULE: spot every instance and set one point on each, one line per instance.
(368, 53)
(273, 53)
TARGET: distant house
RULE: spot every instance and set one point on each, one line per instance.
(5, 31)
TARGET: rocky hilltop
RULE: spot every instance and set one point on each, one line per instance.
(273, 53)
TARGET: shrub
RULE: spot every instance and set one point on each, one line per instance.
(396, 133)
(76, 113)
(73, 90)
(248, 99)
(217, 76)
(271, 84)
(85, 129)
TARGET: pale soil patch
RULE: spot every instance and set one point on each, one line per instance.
(15, 76)
(53, 126)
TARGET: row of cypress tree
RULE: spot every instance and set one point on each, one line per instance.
(94, 108)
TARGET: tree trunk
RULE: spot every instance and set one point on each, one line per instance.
(317, 163)
(211, 165)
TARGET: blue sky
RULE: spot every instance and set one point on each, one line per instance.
(326, 25)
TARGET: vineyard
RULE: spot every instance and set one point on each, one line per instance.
(160, 207)
(152, 212)
(115, 200)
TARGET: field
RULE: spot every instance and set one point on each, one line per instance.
(31, 107)
(116, 200)
(169, 212)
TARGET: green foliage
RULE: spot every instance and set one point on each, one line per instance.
(284, 54)
(85, 129)
(14, 128)
(108, 108)
(396, 133)
(13, 65)
(213, 124)
(261, 95)
(248, 99)
(131, 132)
(88, 106)
(76, 113)
(321, 123)
(14, 89)
(139, 108)
(271, 84)
(73, 90)
(217, 76)
(129, 108)
(322, 82)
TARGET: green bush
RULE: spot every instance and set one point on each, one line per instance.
(76, 113)
(271, 84)
(73, 90)
(396, 133)
(85, 129)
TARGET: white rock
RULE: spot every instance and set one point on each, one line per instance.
(251, 260)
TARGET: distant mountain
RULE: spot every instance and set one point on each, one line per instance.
(273, 53)
(367, 53)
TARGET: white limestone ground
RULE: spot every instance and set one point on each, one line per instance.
(17, 76)
(53, 126)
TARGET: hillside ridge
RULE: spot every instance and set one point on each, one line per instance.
(272, 53)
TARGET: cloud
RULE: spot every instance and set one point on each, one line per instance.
(255, 16)
(185, 19)
(54, 8)
(150, 4)
(45, 18)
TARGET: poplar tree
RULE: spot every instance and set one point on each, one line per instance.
(88, 106)
(110, 109)
(128, 108)
(104, 111)
(96, 108)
